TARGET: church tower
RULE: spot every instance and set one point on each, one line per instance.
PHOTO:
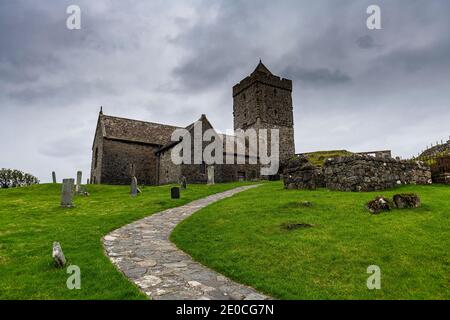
(264, 101)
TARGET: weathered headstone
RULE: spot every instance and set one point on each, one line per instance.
(175, 193)
(210, 174)
(87, 182)
(79, 177)
(67, 193)
(58, 255)
(183, 183)
(54, 176)
(134, 187)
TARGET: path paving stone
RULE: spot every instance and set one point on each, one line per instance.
(143, 252)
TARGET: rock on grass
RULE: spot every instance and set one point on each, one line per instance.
(406, 200)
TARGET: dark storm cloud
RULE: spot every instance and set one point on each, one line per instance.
(170, 61)
(365, 42)
(316, 77)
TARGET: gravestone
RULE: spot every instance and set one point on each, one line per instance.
(54, 177)
(87, 182)
(133, 170)
(210, 174)
(134, 187)
(67, 193)
(183, 183)
(79, 177)
(175, 193)
(58, 255)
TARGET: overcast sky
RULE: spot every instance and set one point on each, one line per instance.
(171, 61)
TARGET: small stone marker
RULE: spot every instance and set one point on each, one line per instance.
(183, 183)
(87, 182)
(58, 255)
(175, 193)
(54, 176)
(134, 187)
(210, 174)
(67, 193)
(79, 177)
(133, 170)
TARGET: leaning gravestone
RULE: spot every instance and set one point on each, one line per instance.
(175, 193)
(54, 177)
(67, 193)
(210, 174)
(58, 255)
(134, 187)
(79, 177)
(183, 183)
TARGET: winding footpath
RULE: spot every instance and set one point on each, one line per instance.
(143, 252)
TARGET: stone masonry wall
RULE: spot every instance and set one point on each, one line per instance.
(118, 157)
(264, 101)
(366, 173)
(168, 171)
(97, 157)
(357, 173)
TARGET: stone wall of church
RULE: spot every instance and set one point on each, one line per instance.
(168, 171)
(236, 172)
(97, 157)
(118, 157)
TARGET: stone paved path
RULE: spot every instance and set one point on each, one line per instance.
(143, 252)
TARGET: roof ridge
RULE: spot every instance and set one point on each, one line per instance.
(148, 122)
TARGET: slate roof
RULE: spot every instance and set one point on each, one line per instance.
(136, 130)
(261, 68)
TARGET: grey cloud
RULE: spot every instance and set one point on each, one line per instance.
(170, 61)
(316, 76)
(365, 42)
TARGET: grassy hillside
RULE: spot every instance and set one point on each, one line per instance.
(318, 158)
(31, 219)
(243, 237)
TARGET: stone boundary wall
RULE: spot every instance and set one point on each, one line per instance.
(356, 173)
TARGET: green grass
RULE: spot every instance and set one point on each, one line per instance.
(242, 238)
(31, 219)
(318, 158)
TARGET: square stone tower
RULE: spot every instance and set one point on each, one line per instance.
(264, 101)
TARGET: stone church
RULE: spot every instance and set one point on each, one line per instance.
(122, 146)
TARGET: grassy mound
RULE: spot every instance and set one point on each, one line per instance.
(318, 158)
(31, 219)
(245, 237)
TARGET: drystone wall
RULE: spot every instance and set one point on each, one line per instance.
(356, 173)
(301, 174)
